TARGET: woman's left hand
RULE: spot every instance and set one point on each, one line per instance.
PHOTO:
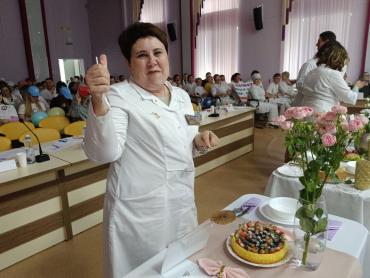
(206, 139)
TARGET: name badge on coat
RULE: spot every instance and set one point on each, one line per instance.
(192, 120)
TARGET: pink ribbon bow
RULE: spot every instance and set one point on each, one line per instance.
(217, 269)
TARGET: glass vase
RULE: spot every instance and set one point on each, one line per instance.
(310, 233)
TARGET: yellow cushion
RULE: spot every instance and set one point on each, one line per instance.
(75, 129)
(15, 129)
(44, 135)
(58, 123)
(5, 144)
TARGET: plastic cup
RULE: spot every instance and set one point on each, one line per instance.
(21, 159)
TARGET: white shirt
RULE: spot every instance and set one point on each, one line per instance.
(8, 113)
(285, 89)
(48, 95)
(35, 108)
(273, 89)
(220, 89)
(199, 90)
(324, 88)
(304, 71)
(257, 92)
(150, 185)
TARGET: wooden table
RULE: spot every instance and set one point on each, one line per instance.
(355, 109)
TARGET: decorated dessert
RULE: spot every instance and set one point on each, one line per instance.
(259, 243)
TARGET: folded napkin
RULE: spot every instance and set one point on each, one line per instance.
(217, 269)
(333, 227)
(251, 204)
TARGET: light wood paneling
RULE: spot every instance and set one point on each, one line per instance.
(28, 197)
(30, 231)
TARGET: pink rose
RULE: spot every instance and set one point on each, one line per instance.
(355, 124)
(299, 113)
(332, 129)
(339, 109)
(329, 116)
(307, 110)
(289, 113)
(279, 119)
(286, 125)
(328, 139)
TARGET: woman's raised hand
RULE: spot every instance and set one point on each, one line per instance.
(98, 78)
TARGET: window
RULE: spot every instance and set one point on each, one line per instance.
(217, 40)
(307, 20)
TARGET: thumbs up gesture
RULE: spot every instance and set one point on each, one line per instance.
(98, 78)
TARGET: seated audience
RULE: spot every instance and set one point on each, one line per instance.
(208, 85)
(121, 78)
(32, 104)
(365, 77)
(79, 107)
(63, 99)
(204, 81)
(275, 96)
(176, 81)
(325, 86)
(73, 87)
(50, 91)
(8, 98)
(286, 86)
(221, 90)
(258, 99)
(190, 85)
(199, 89)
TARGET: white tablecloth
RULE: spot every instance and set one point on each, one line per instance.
(351, 238)
(342, 199)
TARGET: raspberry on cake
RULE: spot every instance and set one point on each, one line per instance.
(259, 243)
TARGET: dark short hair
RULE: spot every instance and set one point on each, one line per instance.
(328, 36)
(276, 75)
(333, 55)
(234, 75)
(136, 31)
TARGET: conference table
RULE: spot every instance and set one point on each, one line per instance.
(356, 108)
(46, 203)
(347, 253)
(342, 199)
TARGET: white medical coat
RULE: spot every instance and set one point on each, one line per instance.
(149, 199)
(324, 88)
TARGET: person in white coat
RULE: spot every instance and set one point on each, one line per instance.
(139, 126)
(258, 99)
(325, 86)
(310, 65)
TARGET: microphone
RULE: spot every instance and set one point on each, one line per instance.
(42, 157)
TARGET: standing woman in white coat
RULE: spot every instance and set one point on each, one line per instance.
(325, 86)
(139, 126)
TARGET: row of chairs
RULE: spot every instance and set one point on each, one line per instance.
(48, 131)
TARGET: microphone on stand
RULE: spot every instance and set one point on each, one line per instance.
(42, 157)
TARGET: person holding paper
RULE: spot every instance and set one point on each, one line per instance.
(139, 126)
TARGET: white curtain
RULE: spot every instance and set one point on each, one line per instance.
(153, 12)
(217, 40)
(307, 20)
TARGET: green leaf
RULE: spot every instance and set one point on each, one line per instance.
(307, 225)
(320, 225)
(319, 212)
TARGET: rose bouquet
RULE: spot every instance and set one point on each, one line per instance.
(317, 142)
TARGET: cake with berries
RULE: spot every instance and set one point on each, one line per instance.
(259, 243)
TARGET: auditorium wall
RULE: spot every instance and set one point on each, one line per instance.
(13, 65)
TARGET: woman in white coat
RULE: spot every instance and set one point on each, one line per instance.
(139, 126)
(325, 86)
